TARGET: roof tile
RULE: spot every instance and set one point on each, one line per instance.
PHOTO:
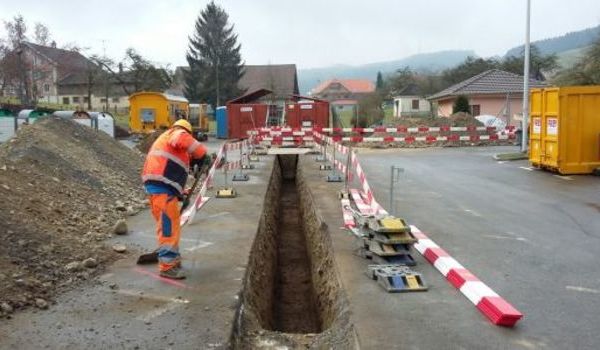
(493, 81)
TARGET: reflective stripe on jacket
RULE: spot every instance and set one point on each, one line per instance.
(169, 158)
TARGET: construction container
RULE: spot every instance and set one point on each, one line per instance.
(307, 112)
(29, 116)
(149, 111)
(80, 117)
(221, 116)
(246, 113)
(199, 116)
(7, 125)
(565, 129)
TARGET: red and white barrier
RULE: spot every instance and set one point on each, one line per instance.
(347, 214)
(200, 199)
(494, 307)
(283, 131)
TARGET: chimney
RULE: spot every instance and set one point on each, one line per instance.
(120, 67)
(53, 44)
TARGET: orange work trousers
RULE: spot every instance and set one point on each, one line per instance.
(165, 209)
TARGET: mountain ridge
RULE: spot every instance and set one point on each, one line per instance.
(308, 78)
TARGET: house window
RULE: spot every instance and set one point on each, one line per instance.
(46, 87)
(65, 100)
(75, 99)
(475, 110)
(86, 99)
(415, 104)
(103, 100)
(115, 100)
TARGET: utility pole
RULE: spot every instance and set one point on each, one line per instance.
(217, 76)
(525, 122)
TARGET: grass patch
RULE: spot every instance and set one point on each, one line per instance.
(122, 120)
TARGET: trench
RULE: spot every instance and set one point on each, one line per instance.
(294, 308)
(292, 295)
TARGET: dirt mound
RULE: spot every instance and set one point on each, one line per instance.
(457, 119)
(147, 140)
(63, 186)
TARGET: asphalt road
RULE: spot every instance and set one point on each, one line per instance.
(532, 236)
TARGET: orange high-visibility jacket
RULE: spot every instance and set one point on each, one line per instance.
(169, 158)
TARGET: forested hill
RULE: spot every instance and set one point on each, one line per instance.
(431, 62)
(569, 41)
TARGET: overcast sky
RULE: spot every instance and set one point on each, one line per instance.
(309, 33)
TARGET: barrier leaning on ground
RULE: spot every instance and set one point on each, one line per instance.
(495, 308)
(220, 161)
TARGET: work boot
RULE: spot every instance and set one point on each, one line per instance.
(174, 273)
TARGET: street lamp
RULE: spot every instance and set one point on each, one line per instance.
(525, 122)
(217, 77)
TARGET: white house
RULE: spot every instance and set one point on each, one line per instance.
(408, 103)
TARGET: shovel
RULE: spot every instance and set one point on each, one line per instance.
(152, 257)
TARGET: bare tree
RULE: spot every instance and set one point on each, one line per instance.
(41, 34)
(17, 33)
(135, 73)
(16, 30)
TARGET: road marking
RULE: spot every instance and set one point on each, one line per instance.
(198, 246)
(583, 289)
(473, 212)
(217, 215)
(566, 178)
(171, 303)
(158, 311)
(141, 294)
(526, 168)
(501, 162)
(520, 239)
(162, 279)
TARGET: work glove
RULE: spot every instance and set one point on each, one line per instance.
(185, 203)
(208, 159)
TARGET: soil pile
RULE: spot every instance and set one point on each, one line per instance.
(63, 187)
(147, 140)
(457, 119)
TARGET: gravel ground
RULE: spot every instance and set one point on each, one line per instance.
(63, 188)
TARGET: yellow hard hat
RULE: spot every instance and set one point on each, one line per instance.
(182, 123)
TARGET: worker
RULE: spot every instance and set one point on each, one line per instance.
(165, 175)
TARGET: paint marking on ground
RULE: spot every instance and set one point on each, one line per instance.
(566, 178)
(218, 214)
(202, 244)
(501, 162)
(144, 295)
(162, 279)
(473, 212)
(520, 239)
(526, 168)
(147, 317)
(583, 289)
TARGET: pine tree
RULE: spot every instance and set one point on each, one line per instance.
(214, 59)
(379, 83)
(461, 104)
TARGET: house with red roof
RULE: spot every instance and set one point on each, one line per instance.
(343, 92)
(494, 92)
